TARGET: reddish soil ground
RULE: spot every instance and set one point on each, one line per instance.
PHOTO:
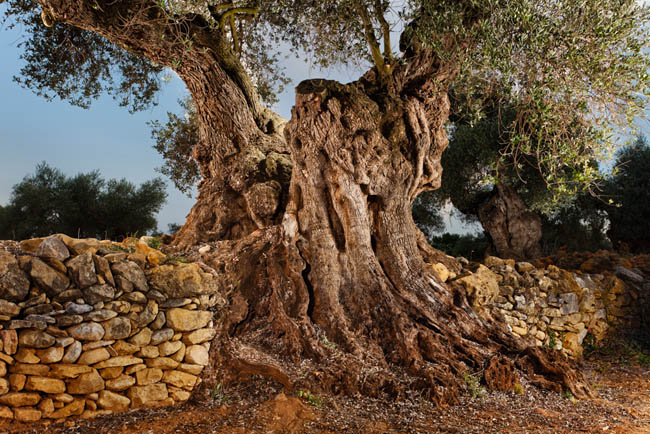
(622, 382)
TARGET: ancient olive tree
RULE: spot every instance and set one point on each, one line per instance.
(310, 218)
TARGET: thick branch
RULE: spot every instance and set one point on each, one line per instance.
(380, 10)
(377, 57)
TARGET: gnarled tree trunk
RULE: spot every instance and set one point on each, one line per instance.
(515, 231)
(326, 278)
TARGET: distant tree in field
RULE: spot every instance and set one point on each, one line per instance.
(85, 205)
(629, 190)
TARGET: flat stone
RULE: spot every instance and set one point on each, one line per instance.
(125, 348)
(97, 344)
(52, 281)
(187, 320)
(14, 283)
(100, 315)
(130, 370)
(35, 339)
(163, 363)
(176, 302)
(199, 336)
(26, 324)
(26, 414)
(93, 356)
(131, 272)
(88, 331)
(569, 303)
(148, 352)
(65, 370)
(99, 292)
(178, 395)
(111, 373)
(118, 361)
(9, 308)
(41, 318)
(69, 295)
(86, 383)
(20, 399)
(45, 385)
(82, 270)
(29, 369)
(4, 386)
(197, 355)
(180, 379)
(156, 295)
(75, 408)
(179, 355)
(77, 309)
(79, 246)
(148, 376)
(68, 320)
(168, 348)
(190, 368)
(181, 280)
(142, 396)
(161, 336)
(113, 401)
(142, 338)
(64, 398)
(72, 353)
(135, 297)
(52, 247)
(50, 355)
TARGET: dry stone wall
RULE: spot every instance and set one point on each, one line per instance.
(553, 307)
(91, 327)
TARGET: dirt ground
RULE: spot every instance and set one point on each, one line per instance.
(258, 406)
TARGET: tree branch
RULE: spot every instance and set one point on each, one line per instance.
(380, 10)
(377, 57)
(238, 11)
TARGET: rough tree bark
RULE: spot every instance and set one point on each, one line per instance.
(326, 280)
(515, 231)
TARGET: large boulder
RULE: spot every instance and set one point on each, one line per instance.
(131, 272)
(52, 281)
(53, 247)
(14, 283)
(181, 280)
(82, 270)
(482, 286)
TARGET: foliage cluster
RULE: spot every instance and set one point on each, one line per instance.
(471, 247)
(84, 205)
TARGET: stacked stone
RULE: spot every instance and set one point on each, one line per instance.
(86, 329)
(552, 306)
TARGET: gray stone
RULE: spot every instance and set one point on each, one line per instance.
(569, 303)
(72, 353)
(53, 247)
(123, 284)
(147, 315)
(88, 331)
(35, 339)
(25, 324)
(131, 272)
(100, 315)
(69, 320)
(77, 308)
(64, 342)
(82, 270)
(160, 336)
(42, 318)
(628, 275)
(97, 293)
(8, 308)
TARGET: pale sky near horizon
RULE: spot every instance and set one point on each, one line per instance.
(106, 137)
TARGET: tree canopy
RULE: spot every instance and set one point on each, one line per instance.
(49, 202)
(572, 70)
